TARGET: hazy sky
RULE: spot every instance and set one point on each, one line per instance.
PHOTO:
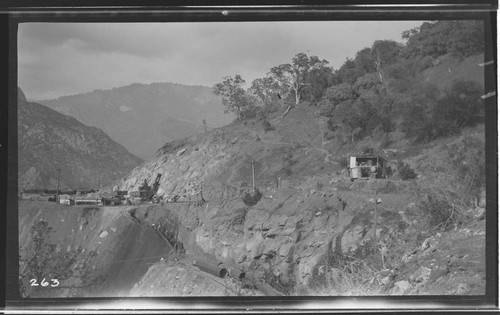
(57, 59)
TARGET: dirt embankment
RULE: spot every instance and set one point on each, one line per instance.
(112, 252)
(90, 251)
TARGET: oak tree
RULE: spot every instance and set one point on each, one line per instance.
(234, 97)
(297, 75)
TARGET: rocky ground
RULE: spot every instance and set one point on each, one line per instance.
(300, 241)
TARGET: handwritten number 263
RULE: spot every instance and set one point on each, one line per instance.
(44, 283)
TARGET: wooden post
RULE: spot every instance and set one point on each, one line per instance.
(202, 200)
(375, 214)
(322, 130)
(253, 175)
(322, 139)
(58, 177)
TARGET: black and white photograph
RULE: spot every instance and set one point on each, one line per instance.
(333, 158)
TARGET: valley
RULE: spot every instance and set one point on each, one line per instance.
(142, 117)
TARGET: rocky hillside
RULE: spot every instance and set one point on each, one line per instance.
(49, 140)
(142, 117)
(314, 231)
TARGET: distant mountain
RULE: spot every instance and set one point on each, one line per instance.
(49, 140)
(143, 117)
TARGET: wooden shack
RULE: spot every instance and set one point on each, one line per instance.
(367, 166)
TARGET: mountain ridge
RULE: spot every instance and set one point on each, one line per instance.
(49, 140)
(142, 117)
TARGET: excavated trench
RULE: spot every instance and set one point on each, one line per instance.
(188, 270)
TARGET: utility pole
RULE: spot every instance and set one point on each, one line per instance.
(376, 202)
(322, 140)
(99, 180)
(322, 137)
(253, 174)
(201, 192)
(58, 177)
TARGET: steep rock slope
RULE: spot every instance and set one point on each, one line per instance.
(49, 140)
(310, 215)
(142, 117)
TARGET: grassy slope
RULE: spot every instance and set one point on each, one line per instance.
(449, 69)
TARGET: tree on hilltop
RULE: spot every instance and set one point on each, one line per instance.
(384, 53)
(297, 74)
(234, 97)
(267, 89)
(459, 38)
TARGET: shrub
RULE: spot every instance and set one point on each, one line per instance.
(344, 275)
(288, 163)
(284, 284)
(267, 125)
(405, 171)
(427, 62)
(367, 150)
(461, 107)
(386, 141)
(329, 135)
(239, 216)
(40, 259)
(467, 163)
(248, 112)
(417, 124)
(438, 210)
(344, 162)
(251, 200)
(440, 204)
(272, 108)
(389, 188)
(89, 211)
(261, 113)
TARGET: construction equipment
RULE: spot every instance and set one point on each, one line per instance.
(156, 184)
(147, 192)
(111, 201)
